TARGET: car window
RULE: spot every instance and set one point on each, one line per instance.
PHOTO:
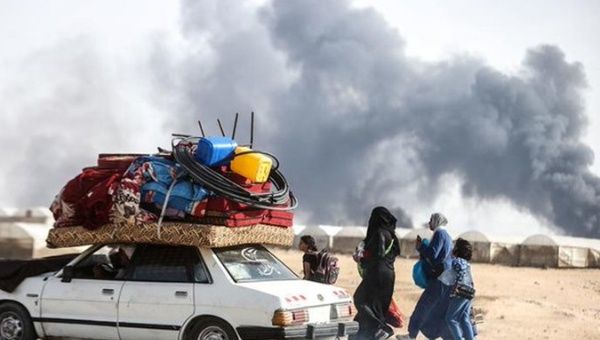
(155, 263)
(253, 263)
(108, 262)
(201, 273)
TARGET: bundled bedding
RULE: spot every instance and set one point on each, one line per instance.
(207, 191)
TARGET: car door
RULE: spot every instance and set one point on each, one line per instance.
(82, 306)
(158, 296)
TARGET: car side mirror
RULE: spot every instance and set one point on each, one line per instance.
(68, 273)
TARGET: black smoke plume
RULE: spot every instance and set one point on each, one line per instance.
(355, 121)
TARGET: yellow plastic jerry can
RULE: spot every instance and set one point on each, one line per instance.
(254, 166)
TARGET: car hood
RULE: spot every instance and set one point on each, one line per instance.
(300, 293)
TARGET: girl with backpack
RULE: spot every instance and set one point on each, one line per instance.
(318, 266)
(310, 259)
(374, 294)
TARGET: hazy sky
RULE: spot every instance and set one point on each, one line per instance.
(118, 40)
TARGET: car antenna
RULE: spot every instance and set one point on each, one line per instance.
(251, 129)
(201, 128)
(221, 127)
(234, 125)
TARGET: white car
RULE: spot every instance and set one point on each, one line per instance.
(175, 292)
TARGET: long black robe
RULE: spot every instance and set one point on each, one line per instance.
(374, 294)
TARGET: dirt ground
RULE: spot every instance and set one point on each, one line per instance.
(515, 303)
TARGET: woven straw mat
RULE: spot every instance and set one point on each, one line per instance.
(171, 233)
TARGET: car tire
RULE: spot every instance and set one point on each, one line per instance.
(210, 328)
(15, 323)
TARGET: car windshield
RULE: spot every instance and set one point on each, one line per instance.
(253, 263)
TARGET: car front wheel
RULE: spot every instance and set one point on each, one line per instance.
(211, 329)
(15, 323)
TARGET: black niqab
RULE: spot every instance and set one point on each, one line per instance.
(382, 219)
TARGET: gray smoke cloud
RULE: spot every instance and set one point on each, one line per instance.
(61, 107)
(355, 122)
(57, 111)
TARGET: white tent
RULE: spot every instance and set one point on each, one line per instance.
(538, 251)
(297, 228)
(593, 245)
(38, 232)
(15, 242)
(346, 240)
(505, 250)
(577, 242)
(557, 251)
(594, 258)
(481, 245)
(408, 242)
(401, 232)
(577, 251)
(322, 237)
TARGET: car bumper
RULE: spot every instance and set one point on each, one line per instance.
(316, 331)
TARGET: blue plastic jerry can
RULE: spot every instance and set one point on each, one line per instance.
(215, 151)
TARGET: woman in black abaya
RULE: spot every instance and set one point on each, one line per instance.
(374, 294)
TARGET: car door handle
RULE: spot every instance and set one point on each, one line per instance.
(181, 293)
(107, 291)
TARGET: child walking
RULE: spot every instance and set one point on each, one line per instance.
(310, 259)
(458, 315)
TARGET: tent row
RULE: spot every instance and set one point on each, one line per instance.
(533, 251)
(26, 240)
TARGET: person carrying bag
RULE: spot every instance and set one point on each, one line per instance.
(462, 292)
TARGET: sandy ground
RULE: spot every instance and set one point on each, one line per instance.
(515, 303)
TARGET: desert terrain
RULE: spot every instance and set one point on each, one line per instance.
(513, 303)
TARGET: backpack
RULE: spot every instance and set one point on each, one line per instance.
(327, 268)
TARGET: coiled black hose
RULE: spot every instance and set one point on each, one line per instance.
(280, 199)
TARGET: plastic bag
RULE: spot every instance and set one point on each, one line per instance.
(418, 275)
(394, 316)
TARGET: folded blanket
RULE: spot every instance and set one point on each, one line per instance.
(86, 199)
